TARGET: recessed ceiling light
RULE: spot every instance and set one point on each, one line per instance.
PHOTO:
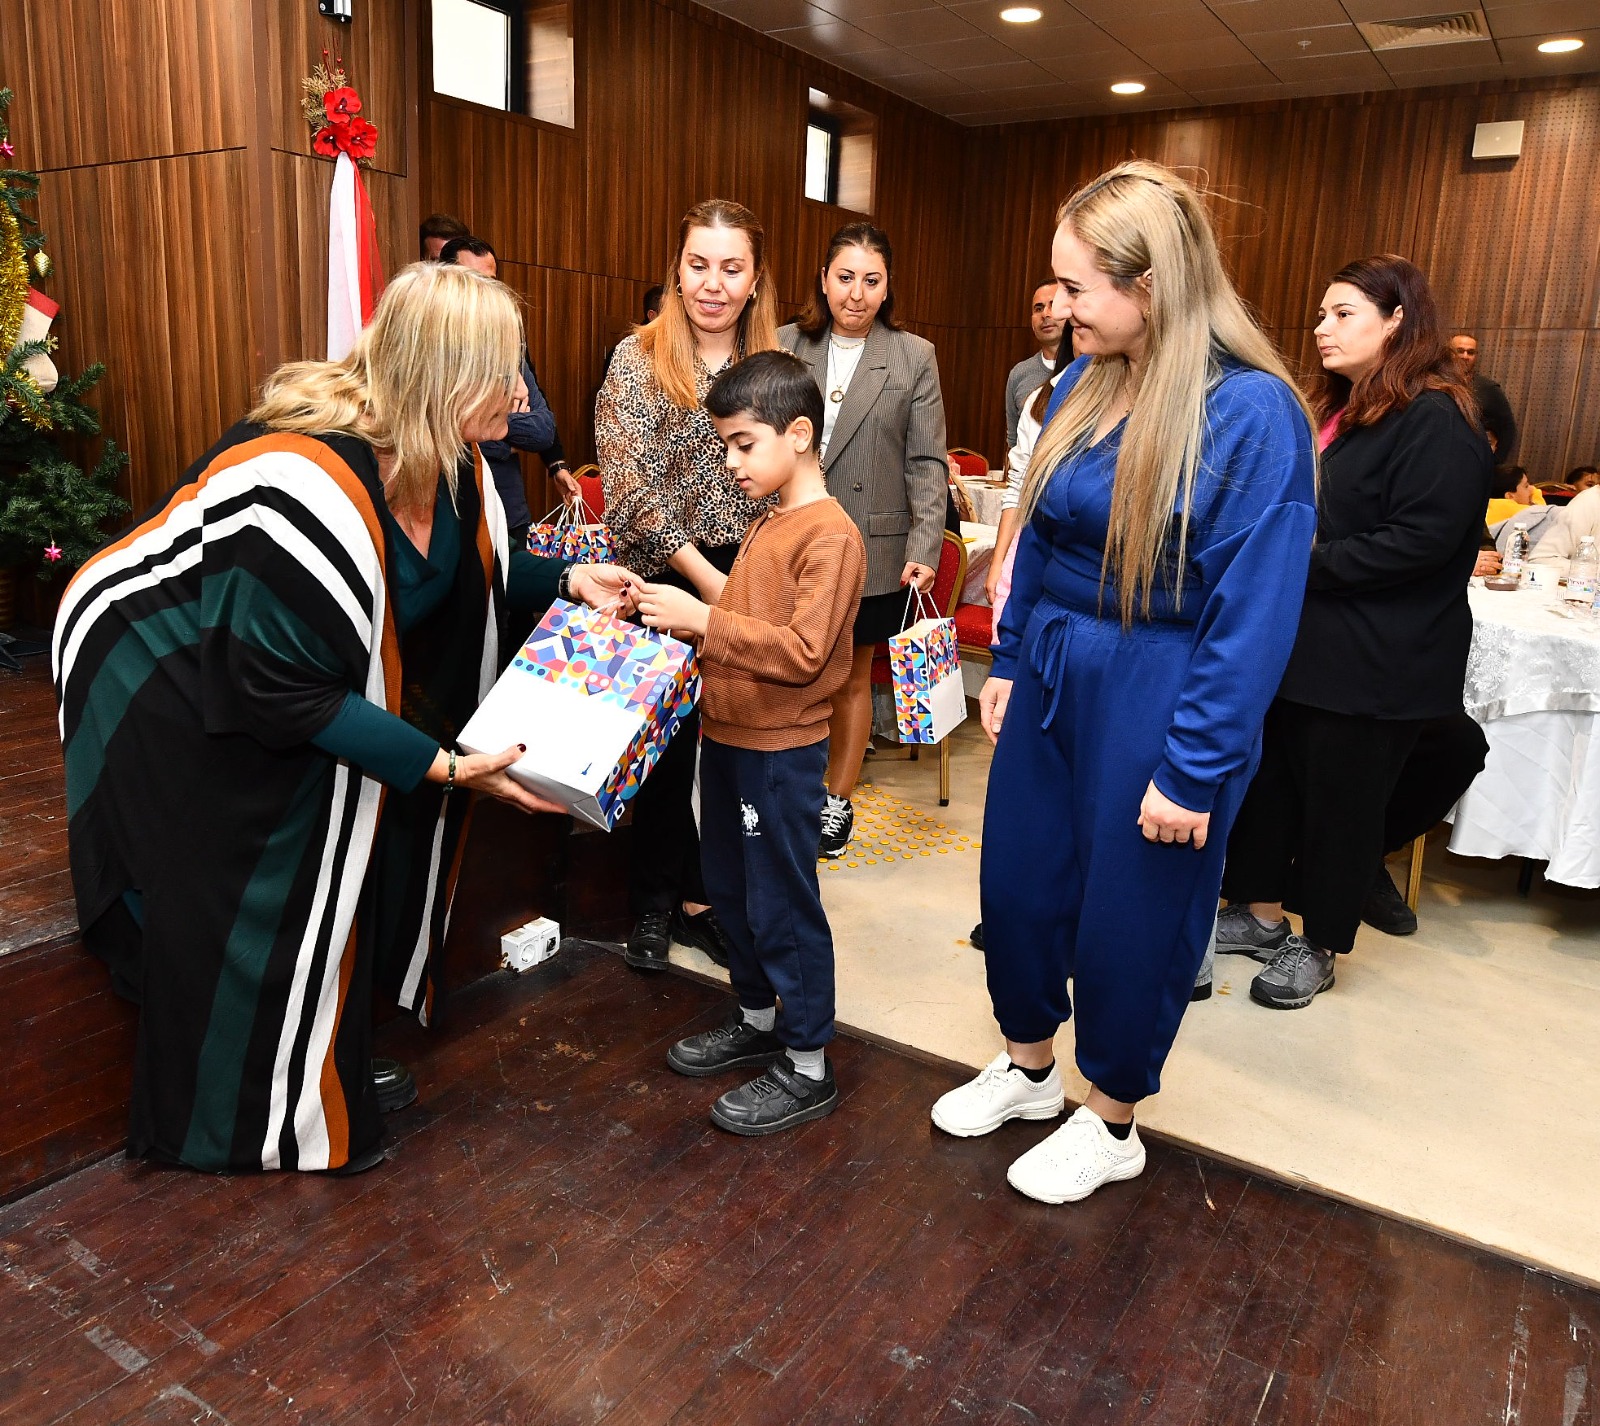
(1021, 14)
(1560, 46)
(1128, 86)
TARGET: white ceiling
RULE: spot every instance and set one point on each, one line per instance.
(960, 59)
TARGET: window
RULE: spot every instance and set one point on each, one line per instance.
(822, 153)
(472, 52)
(841, 153)
(514, 55)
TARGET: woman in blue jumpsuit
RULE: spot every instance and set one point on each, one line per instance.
(1154, 603)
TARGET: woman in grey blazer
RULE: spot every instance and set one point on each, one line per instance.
(883, 454)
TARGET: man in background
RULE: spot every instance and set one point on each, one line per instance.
(1028, 375)
(1498, 421)
(438, 229)
(532, 427)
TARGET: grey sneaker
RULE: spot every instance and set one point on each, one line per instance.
(1240, 934)
(1202, 982)
(1296, 975)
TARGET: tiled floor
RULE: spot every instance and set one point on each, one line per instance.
(1449, 1078)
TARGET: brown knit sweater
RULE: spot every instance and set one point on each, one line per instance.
(778, 643)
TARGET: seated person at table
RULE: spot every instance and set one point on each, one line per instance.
(1581, 517)
(1512, 494)
(1581, 477)
(774, 649)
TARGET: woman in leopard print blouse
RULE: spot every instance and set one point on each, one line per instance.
(678, 516)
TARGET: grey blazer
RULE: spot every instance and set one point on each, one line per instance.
(886, 461)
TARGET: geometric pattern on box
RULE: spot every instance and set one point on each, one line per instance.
(639, 684)
(920, 659)
(887, 830)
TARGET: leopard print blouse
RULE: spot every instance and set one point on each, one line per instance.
(666, 481)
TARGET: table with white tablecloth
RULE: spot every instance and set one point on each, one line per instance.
(986, 501)
(1533, 683)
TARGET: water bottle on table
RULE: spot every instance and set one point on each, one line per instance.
(1583, 574)
(1515, 563)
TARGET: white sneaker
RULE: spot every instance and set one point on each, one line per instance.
(1000, 1092)
(1075, 1160)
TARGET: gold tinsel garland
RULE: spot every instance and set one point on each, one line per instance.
(31, 408)
(13, 280)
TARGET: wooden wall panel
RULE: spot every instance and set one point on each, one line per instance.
(374, 51)
(151, 264)
(1512, 250)
(107, 81)
(676, 104)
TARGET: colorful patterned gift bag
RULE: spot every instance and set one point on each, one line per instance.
(596, 699)
(929, 700)
(573, 532)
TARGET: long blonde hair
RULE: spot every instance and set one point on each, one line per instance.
(443, 343)
(669, 340)
(1140, 217)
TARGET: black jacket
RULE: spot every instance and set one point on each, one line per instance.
(1385, 629)
(1497, 418)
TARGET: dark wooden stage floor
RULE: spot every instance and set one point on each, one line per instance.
(560, 1236)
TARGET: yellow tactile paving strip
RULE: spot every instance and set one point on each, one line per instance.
(888, 830)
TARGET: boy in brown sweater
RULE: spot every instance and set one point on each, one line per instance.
(774, 648)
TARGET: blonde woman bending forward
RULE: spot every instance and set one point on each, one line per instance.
(261, 687)
(1169, 516)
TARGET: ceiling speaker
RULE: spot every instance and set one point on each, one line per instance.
(1498, 140)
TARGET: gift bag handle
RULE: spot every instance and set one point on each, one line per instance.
(580, 512)
(560, 517)
(917, 598)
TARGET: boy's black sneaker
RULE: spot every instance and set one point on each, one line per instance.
(778, 1100)
(647, 945)
(737, 1044)
(838, 821)
(702, 931)
(976, 938)
(1385, 908)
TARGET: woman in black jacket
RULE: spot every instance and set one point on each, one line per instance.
(1384, 631)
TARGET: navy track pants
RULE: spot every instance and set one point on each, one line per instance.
(1070, 886)
(760, 825)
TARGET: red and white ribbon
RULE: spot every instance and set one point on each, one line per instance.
(355, 274)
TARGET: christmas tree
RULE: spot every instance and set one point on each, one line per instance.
(53, 513)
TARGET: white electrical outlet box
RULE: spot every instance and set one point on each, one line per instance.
(528, 945)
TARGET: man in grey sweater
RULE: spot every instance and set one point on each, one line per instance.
(1028, 375)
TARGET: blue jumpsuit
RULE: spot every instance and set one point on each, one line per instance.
(1070, 887)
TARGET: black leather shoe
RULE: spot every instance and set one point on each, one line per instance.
(734, 1045)
(396, 1088)
(702, 931)
(358, 1163)
(647, 946)
(1385, 908)
(779, 1100)
(976, 938)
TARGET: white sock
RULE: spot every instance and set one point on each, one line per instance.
(1267, 925)
(807, 1062)
(761, 1019)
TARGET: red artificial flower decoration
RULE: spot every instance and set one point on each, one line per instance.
(341, 105)
(360, 138)
(325, 142)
